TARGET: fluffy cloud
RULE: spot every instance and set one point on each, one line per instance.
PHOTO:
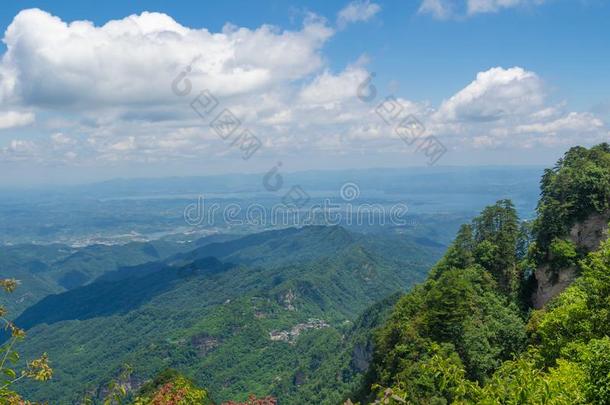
(510, 107)
(329, 88)
(104, 94)
(12, 119)
(51, 63)
(445, 9)
(495, 94)
(356, 11)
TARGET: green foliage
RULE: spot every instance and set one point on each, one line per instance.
(562, 254)
(457, 328)
(595, 361)
(523, 381)
(580, 313)
(51, 269)
(460, 253)
(492, 242)
(459, 338)
(576, 187)
(213, 322)
(568, 360)
(171, 388)
(37, 370)
(496, 234)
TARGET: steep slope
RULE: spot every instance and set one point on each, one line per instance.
(468, 335)
(269, 248)
(234, 328)
(170, 387)
(51, 269)
(573, 215)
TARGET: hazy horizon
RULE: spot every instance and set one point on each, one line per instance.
(134, 90)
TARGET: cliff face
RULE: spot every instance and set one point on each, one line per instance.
(590, 233)
(587, 236)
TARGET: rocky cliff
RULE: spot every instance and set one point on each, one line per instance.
(587, 235)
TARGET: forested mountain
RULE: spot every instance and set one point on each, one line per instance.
(278, 313)
(469, 334)
(51, 269)
(515, 312)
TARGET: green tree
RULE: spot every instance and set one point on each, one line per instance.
(171, 388)
(37, 369)
(562, 254)
(576, 187)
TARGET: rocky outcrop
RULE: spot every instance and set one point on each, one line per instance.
(299, 378)
(589, 233)
(288, 299)
(204, 344)
(362, 356)
(550, 285)
(587, 236)
(130, 383)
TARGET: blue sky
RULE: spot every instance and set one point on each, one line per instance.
(548, 91)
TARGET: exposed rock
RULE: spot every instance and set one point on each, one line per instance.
(299, 378)
(591, 232)
(288, 299)
(291, 335)
(550, 285)
(587, 236)
(130, 383)
(361, 356)
(204, 343)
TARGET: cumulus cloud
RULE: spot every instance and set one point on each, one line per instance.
(12, 119)
(52, 63)
(494, 94)
(356, 11)
(511, 107)
(104, 94)
(446, 9)
(331, 88)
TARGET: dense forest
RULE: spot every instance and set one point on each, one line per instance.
(286, 313)
(469, 334)
(515, 312)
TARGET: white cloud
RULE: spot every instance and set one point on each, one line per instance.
(105, 95)
(510, 107)
(52, 63)
(573, 122)
(441, 9)
(12, 119)
(496, 93)
(125, 145)
(356, 11)
(20, 150)
(61, 139)
(493, 6)
(446, 9)
(329, 88)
